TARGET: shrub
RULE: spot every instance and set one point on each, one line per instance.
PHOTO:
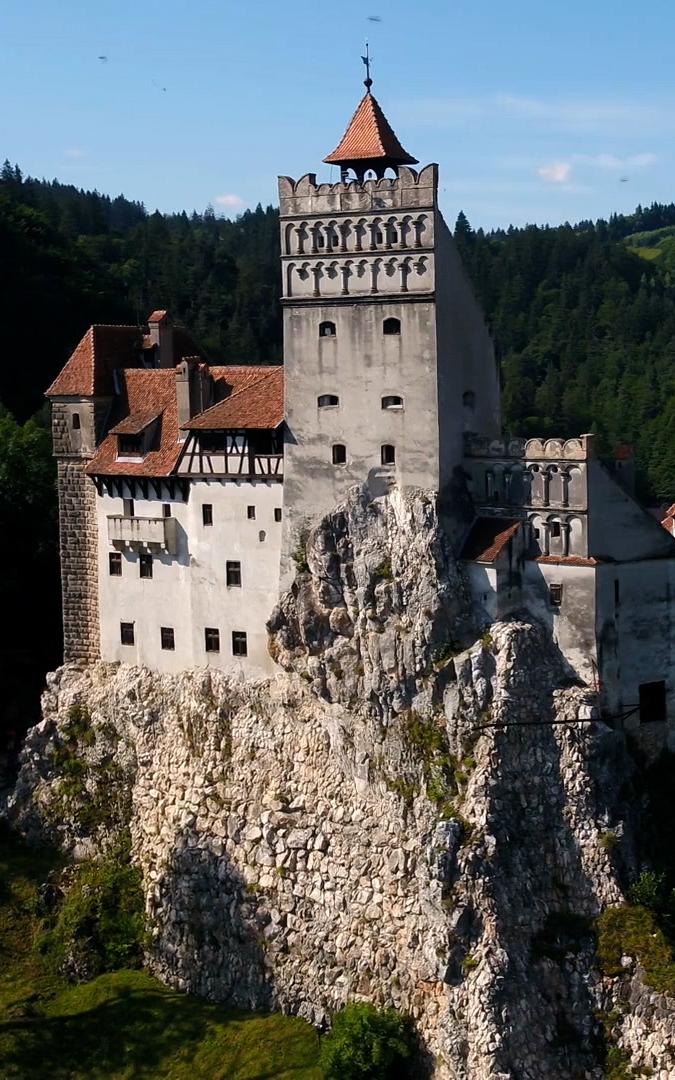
(367, 1043)
(650, 891)
(632, 931)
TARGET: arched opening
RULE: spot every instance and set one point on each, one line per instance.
(388, 454)
(392, 401)
(339, 454)
(325, 400)
(391, 326)
(327, 329)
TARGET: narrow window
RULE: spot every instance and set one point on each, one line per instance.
(378, 236)
(239, 644)
(250, 513)
(339, 454)
(327, 329)
(555, 595)
(555, 528)
(76, 421)
(211, 639)
(128, 507)
(324, 400)
(166, 509)
(207, 514)
(127, 633)
(469, 399)
(167, 636)
(145, 565)
(617, 593)
(277, 513)
(653, 702)
(115, 564)
(392, 401)
(391, 326)
(233, 573)
(388, 454)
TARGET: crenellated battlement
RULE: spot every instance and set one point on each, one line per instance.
(410, 189)
(579, 449)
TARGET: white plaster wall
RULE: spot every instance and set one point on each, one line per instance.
(619, 527)
(188, 591)
(573, 624)
(483, 582)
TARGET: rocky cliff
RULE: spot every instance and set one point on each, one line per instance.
(420, 811)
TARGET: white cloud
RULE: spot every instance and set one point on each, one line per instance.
(231, 201)
(75, 152)
(558, 172)
(613, 163)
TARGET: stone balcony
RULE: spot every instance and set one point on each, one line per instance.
(143, 533)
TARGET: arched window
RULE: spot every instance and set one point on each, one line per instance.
(392, 401)
(339, 454)
(469, 399)
(76, 421)
(324, 400)
(388, 454)
(391, 326)
(327, 329)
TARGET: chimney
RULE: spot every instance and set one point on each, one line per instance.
(587, 441)
(161, 335)
(183, 395)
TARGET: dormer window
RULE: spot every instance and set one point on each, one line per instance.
(392, 401)
(391, 326)
(130, 445)
(327, 329)
(325, 401)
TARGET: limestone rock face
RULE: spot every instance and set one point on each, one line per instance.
(400, 818)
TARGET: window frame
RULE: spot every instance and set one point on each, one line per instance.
(166, 510)
(328, 401)
(250, 513)
(391, 326)
(127, 629)
(339, 453)
(233, 570)
(207, 514)
(278, 513)
(115, 559)
(75, 422)
(211, 639)
(387, 454)
(239, 643)
(128, 508)
(145, 567)
(164, 638)
(396, 402)
(324, 332)
(555, 594)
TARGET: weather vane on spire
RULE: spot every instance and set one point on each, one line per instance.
(367, 82)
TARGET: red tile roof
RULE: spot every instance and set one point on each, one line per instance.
(488, 538)
(568, 560)
(134, 423)
(368, 137)
(669, 520)
(144, 391)
(89, 369)
(259, 404)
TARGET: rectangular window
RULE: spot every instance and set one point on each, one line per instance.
(617, 593)
(388, 454)
(239, 644)
(166, 509)
(130, 445)
(233, 573)
(555, 528)
(211, 639)
(115, 564)
(127, 633)
(128, 507)
(277, 513)
(207, 514)
(653, 702)
(145, 565)
(555, 595)
(167, 635)
(250, 513)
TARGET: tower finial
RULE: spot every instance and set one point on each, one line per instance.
(367, 82)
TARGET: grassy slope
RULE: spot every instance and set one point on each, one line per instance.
(125, 1024)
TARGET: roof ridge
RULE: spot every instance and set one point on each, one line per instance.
(242, 390)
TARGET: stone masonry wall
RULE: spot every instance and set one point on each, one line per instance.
(78, 543)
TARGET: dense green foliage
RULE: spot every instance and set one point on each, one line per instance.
(633, 931)
(366, 1043)
(122, 1024)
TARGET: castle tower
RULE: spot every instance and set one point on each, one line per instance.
(388, 359)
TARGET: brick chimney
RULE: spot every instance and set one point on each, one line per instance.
(161, 336)
(183, 373)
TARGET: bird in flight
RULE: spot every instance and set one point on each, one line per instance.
(374, 18)
(624, 179)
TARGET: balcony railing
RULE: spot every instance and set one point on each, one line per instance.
(143, 532)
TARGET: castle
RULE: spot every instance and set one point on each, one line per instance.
(186, 487)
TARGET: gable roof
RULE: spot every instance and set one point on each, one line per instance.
(146, 392)
(257, 404)
(488, 537)
(368, 137)
(89, 370)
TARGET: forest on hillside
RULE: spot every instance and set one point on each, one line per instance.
(583, 316)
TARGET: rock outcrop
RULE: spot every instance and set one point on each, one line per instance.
(402, 816)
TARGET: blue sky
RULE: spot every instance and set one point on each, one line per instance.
(534, 111)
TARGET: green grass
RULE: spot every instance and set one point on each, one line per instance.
(648, 253)
(122, 1025)
(633, 931)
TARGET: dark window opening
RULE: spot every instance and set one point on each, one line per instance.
(130, 444)
(128, 507)
(617, 593)
(233, 573)
(167, 636)
(319, 240)
(211, 639)
(127, 633)
(393, 236)
(555, 528)
(166, 509)
(213, 442)
(388, 454)
(324, 400)
(535, 533)
(469, 399)
(277, 513)
(653, 702)
(145, 565)
(555, 595)
(339, 454)
(250, 513)
(239, 643)
(392, 401)
(115, 564)
(378, 236)
(391, 326)
(207, 514)
(76, 421)
(327, 329)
